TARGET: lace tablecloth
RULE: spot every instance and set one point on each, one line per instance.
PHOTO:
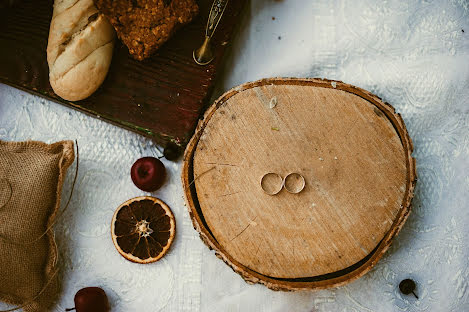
(413, 54)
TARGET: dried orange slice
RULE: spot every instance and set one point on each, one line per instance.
(143, 229)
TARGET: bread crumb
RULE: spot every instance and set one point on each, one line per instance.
(321, 159)
(334, 84)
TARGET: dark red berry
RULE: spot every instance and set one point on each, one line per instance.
(148, 174)
(91, 299)
(171, 151)
(407, 287)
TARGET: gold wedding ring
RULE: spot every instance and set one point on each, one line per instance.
(294, 183)
(271, 183)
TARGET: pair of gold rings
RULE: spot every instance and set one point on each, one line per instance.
(272, 183)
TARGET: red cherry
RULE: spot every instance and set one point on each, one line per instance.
(91, 299)
(148, 174)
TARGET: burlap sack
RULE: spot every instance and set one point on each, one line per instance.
(31, 177)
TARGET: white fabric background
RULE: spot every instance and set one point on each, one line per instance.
(413, 54)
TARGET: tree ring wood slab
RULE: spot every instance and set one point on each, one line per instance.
(355, 155)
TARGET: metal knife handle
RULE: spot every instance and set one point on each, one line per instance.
(218, 7)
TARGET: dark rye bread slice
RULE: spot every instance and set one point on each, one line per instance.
(145, 25)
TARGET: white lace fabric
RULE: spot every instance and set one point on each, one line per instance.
(87, 254)
(413, 54)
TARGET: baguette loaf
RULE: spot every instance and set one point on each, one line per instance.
(79, 50)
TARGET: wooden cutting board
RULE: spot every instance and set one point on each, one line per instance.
(355, 155)
(161, 97)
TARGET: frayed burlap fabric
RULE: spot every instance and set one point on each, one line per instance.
(31, 177)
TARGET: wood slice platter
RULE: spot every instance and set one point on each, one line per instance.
(162, 97)
(355, 155)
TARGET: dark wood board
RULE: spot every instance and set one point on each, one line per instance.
(161, 97)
